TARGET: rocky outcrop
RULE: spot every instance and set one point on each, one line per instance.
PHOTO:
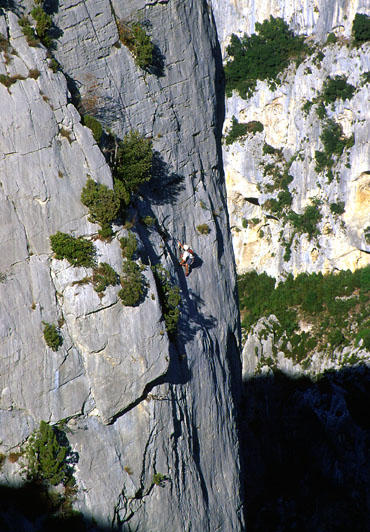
(134, 402)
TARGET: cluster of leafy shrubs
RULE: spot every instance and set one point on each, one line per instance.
(103, 205)
(337, 88)
(278, 171)
(334, 143)
(262, 56)
(334, 89)
(240, 129)
(132, 168)
(47, 458)
(335, 306)
(134, 36)
(266, 54)
(95, 126)
(52, 337)
(49, 463)
(43, 26)
(78, 251)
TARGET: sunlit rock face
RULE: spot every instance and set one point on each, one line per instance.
(135, 402)
(288, 126)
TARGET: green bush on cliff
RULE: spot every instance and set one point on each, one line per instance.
(78, 251)
(307, 221)
(262, 56)
(46, 457)
(28, 32)
(102, 203)
(43, 24)
(95, 126)
(169, 296)
(337, 88)
(361, 28)
(337, 208)
(334, 143)
(240, 129)
(128, 246)
(52, 336)
(103, 276)
(132, 283)
(134, 36)
(133, 164)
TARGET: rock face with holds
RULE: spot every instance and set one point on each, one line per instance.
(136, 403)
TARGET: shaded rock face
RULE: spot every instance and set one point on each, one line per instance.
(306, 452)
(136, 403)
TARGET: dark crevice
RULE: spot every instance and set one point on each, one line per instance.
(254, 201)
(148, 388)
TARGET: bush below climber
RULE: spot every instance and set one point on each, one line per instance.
(187, 258)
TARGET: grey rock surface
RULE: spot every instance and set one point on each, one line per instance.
(136, 404)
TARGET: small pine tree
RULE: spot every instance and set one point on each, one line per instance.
(101, 201)
(46, 458)
(134, 161)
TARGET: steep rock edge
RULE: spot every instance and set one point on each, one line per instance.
(185, 427)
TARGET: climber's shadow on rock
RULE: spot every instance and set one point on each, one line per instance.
(165, 185)
(198, 262)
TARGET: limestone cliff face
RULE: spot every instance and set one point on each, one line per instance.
(292, 126)
(135, 403)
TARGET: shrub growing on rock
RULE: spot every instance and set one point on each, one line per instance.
(306, 222)
(361, 28)
(134, 162)
(169, 297)
(263, 56)
(337, 208)
(52, 336)
(43, 25)
(203, 229)
(28, 32)
(103, 276)
(46, 458)
(337, 88)
(128, 245)
(241, 129)
(138, 42)
(95, 126)
(78, 251)
(132, 283)
(102, 203)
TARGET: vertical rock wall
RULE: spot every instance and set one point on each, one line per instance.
(136, 404)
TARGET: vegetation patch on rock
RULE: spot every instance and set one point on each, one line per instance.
(333, 307)
(262, 56)
(78, 251)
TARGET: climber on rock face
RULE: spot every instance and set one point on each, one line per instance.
(187, 258)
